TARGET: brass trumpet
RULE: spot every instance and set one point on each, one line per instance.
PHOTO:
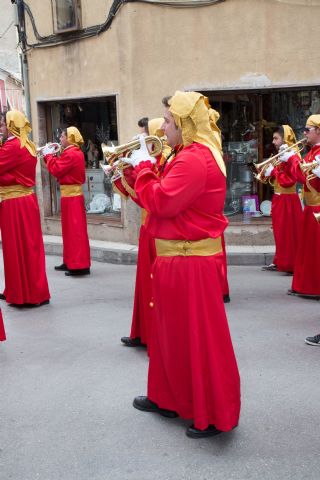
(275, 160)
(57, 147)
(112, 154)
(307, 168)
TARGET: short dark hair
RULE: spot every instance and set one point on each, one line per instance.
(165, 101)
(143, 122)
(279, 129)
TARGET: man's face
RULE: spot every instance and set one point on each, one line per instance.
(312, 134)
(3, 130)
(64, 140)
(277, 140)
(173, 134)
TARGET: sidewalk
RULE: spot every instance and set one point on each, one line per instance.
(126, 254)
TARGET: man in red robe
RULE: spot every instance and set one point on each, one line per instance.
(69, 169)
(142, 312)
(22, 243)
(286, 205)
(306, 278)
(193, 371)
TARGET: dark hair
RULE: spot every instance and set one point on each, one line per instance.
(165, 101)
(143, 122)
(279, 129)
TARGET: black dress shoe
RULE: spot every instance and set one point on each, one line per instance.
(61, 268)
(78, 272)
(132, 342)
(226, 298)
(145, 405)
(303, 295)
(29, 305)
(2, 297)
(211, 431)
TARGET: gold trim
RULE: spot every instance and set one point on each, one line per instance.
(187, 248)
(70, 190)
(14, 191)
(279, 189)
(144, 215)
(312, 198)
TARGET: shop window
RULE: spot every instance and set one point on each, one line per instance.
(66, 15)
(97, 121)
(247, 121)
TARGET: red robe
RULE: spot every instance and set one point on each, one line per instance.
(22, 242)
(286, 215)
(192, 369)
(306, 278)
(2, 330)
(69, 169)
(142, 312)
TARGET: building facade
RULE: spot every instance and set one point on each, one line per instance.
(102, 65)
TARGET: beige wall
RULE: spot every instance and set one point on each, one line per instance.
(150, 51)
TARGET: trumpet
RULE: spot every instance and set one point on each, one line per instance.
(113, 154)
(275, 159)
(56, 146)
(307, 167)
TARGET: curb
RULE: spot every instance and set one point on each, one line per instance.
(125, 254)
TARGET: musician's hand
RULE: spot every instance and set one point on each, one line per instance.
(140, 155)
(316, 171)
(268, 171)
(48, 150)
(282, 147)
(317, 159)
(284, 157)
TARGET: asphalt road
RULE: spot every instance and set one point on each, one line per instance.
(67, 385)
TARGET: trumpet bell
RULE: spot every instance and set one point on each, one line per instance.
(111, 154)
(56, 146)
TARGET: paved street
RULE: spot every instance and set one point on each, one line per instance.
(66, 388)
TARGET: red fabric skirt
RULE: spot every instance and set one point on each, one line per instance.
(2, 330)
(23, 251)
(142, 312)
(76, 248)
(306, 278)
(193, 369)
(286, 223)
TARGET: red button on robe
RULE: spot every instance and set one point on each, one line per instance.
(69, 169)
(286, 216)
(22, 242)
(192, 369)
(306, 278)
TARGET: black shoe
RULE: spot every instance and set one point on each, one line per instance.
(2, 297)
(313, 340)
(61, 268)
(226, 298)
(78, 272)
(144, 404)
(29, 305)
(211, 431)
(303, 295)
(270, 268)
(132, 342)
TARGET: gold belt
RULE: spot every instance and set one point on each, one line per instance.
(144, 215)
(70, 190)
(187, 248)
(15, 191)
(279, 189)
(312, 198)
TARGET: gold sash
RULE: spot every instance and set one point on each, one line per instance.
(14, 191)
(144, 215)
(70, 190)
(312, 198)
(279, 189)
(187, 248)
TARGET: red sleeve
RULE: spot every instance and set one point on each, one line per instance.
(59, 166)
(169, 196)
(8, 160)
(284, 175)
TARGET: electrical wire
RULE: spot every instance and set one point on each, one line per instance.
(95, 30)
